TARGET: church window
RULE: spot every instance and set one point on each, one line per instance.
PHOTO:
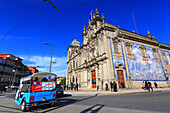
(93, 52)
(164, 56)
(129, 50)
(155, 54)
(77, 64)
(116, 47)
(143, 52)
(70, 66)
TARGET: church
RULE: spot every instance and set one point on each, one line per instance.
(109, 53)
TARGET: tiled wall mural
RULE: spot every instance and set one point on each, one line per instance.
(116, 60)
(140, 70)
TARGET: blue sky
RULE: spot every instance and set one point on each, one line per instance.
(46, 24)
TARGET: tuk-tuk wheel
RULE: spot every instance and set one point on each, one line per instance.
(23, 106)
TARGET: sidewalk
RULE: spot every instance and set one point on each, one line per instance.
(120, 91)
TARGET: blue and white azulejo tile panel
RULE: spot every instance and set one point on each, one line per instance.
(141, 70)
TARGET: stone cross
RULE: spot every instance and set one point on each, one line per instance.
(91, 13)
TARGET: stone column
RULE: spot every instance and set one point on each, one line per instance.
(162, 61)
(126, 65)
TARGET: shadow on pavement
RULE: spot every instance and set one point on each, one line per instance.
(9, 107)
(63, 102)
(93, 109)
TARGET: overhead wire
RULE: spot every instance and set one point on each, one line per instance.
(20, 22)
(19, 8)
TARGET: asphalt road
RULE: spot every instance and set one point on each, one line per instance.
(154, 102)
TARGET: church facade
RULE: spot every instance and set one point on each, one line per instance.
(109, 53)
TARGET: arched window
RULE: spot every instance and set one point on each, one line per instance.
(116, 47)
(129, 50)
(143, 52)
(77, 64)
(155, 54)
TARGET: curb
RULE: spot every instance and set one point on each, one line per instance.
(115, 93)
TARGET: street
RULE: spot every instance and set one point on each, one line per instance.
(130, 103)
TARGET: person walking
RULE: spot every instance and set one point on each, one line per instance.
(150, 86)
(146, 85)
(77, 86)
(111, 86)
(97, 87)
(123, 85)
(115, 86)
(106, 85)
(74, 86)
(143, 85)
(156, 85)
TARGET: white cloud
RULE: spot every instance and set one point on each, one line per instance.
(59, 67)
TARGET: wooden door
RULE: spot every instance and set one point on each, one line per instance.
(93, 75)
(120, 78)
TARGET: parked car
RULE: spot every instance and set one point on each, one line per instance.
(59, 90)
(3, 89)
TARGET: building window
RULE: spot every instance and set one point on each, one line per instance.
(164, 57)
(92, 52)
(2, 79)
(71, 66)
(116, 47)
(143, 52)
(129, 50)
(77, 64)
(68, 68)
(155, 54)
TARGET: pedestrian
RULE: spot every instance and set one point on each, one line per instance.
(150, 86)
(97, 87)
(74, 86)
(146, 85)
(111, 86)
(67, 86)
(77, 86)
(143, 85)
(106, 86)
(115, 86)
(123, 85)
(156, 85)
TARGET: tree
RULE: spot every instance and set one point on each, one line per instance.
(63, 82)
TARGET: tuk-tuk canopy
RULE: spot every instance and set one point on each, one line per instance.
(49, 76)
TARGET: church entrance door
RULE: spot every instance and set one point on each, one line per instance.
(120, 78)
(93, 74)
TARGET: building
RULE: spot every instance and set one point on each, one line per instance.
(11, 70)
(59, 79)
(109, 53)
(32, 69)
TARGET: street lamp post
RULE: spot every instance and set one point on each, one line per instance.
(51, 55)
(11, 78)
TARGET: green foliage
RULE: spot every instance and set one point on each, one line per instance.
(63, 82)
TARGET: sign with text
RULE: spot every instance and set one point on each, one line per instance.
(43, 86)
